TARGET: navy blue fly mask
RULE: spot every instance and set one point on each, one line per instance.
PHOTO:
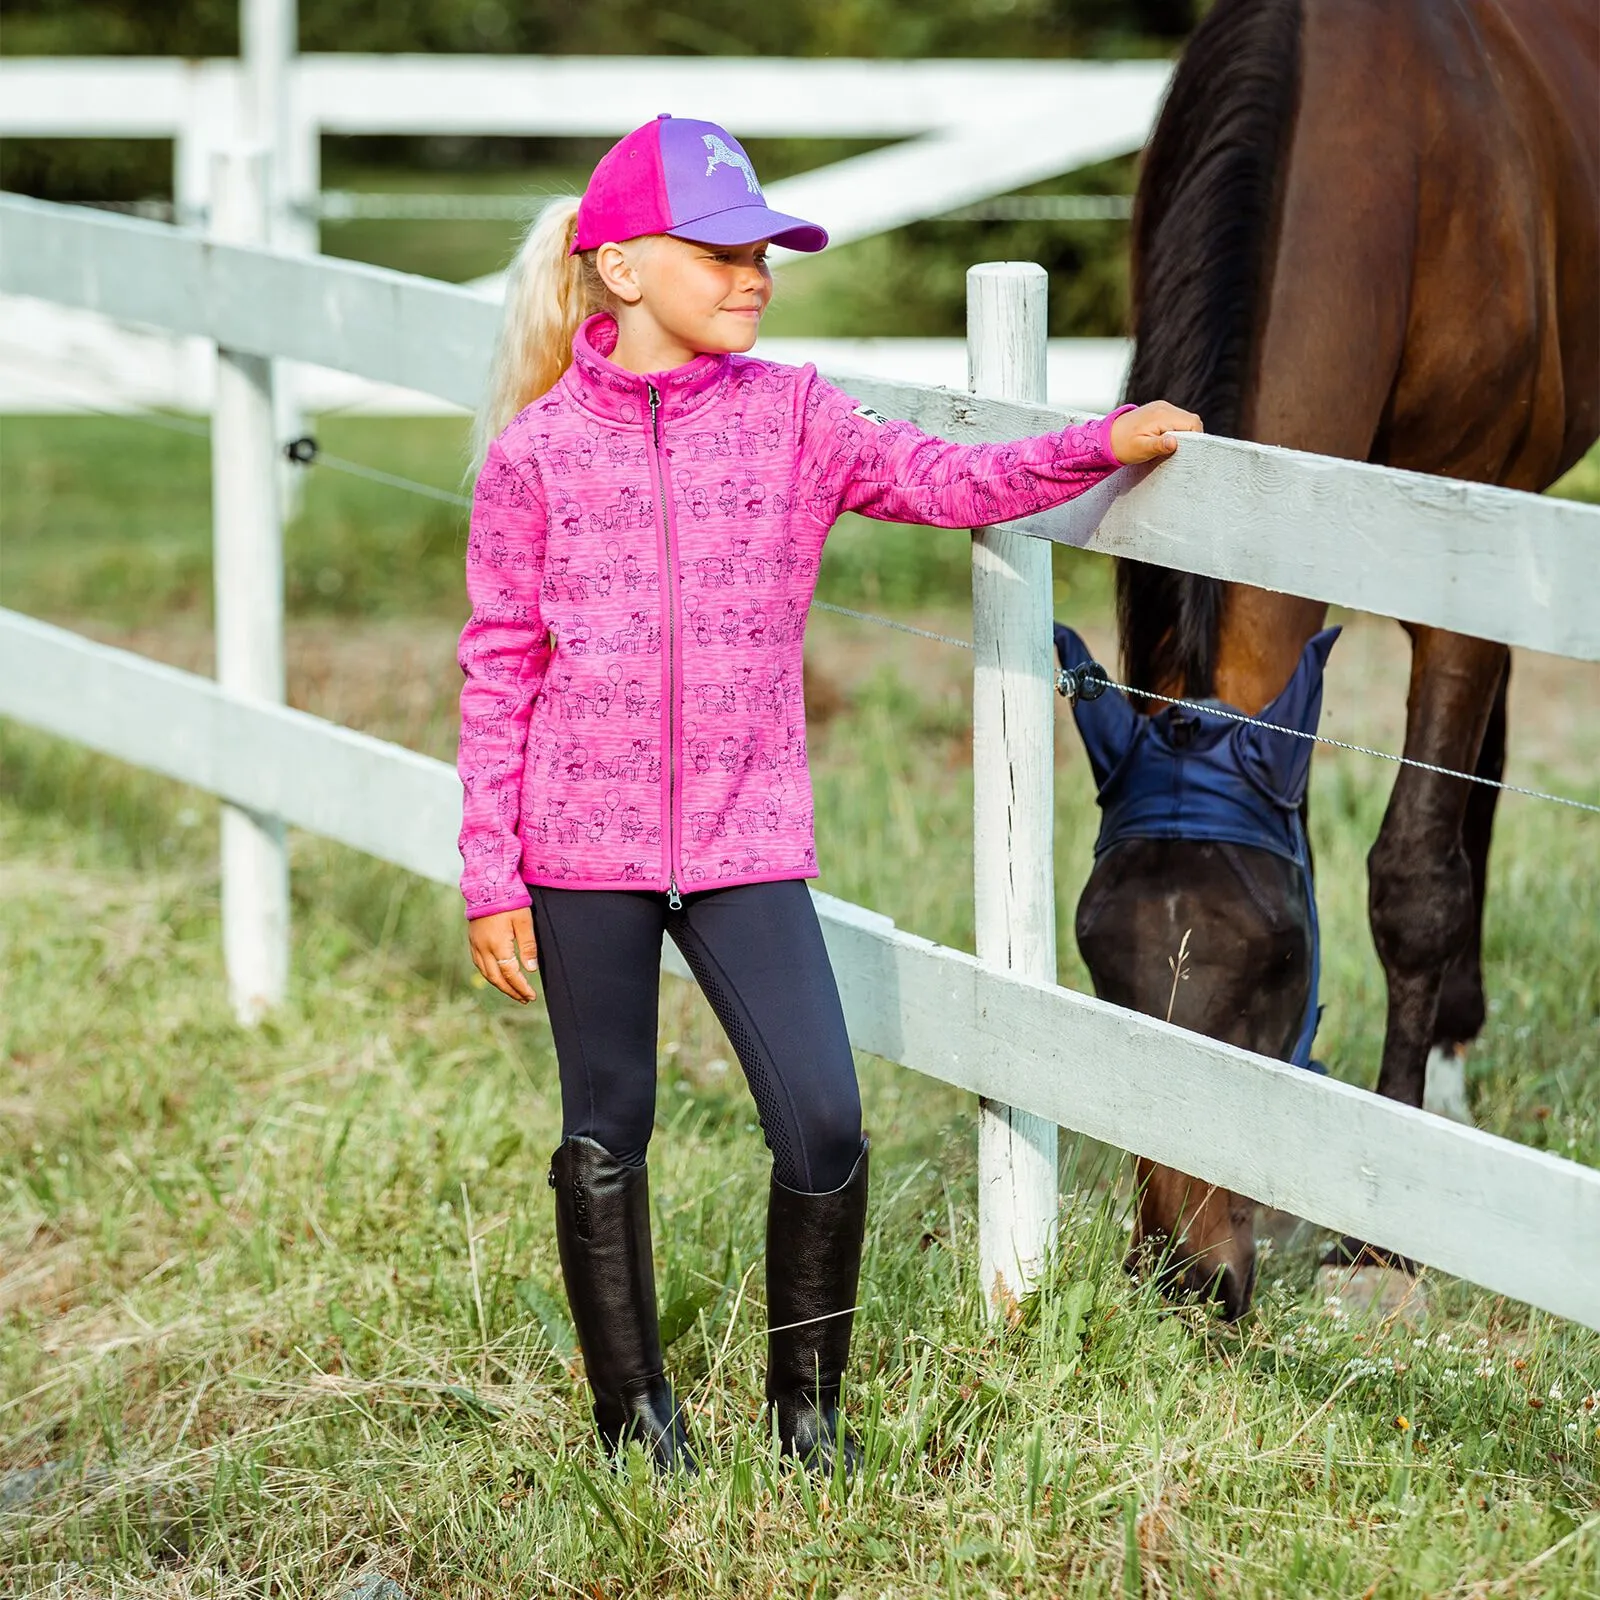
(1182, 774)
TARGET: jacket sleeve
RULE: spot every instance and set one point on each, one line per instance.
(852, 459)
(504, 653)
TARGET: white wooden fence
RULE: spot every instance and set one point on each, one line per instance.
(969, 129)
(1502, 565)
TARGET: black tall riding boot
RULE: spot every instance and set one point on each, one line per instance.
(813, 1269)
(603, 1233)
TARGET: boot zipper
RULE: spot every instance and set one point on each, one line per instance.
(669, 579)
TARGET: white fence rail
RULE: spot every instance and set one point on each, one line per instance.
(762, 97)
(1508, 566)
(974, 128)
(1518, 1221)
(969, 130)
(55, 360)
(1484, 561)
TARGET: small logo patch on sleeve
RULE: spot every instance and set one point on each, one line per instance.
(870, 415)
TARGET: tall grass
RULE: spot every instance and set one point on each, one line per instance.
(280, 1308)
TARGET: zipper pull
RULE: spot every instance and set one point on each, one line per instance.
(655, 412)
(674, 899)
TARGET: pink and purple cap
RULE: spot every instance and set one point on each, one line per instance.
(687, 178)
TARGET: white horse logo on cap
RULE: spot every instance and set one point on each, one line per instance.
(721, 156)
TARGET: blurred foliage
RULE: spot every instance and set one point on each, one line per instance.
(886, 28)
(127, 169)
(910, 282)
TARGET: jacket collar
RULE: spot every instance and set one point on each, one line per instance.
(600, 386)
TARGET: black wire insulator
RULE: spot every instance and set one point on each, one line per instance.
(1087, 682)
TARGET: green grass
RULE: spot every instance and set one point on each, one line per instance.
(281, 1307)
(132, 538)
(1583, 481)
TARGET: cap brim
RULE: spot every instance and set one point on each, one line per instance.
(750, 225)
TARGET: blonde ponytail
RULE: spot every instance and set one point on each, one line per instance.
(549, 293)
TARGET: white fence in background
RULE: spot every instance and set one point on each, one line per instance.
(969, 129)
(1491, 562)
(57, 360)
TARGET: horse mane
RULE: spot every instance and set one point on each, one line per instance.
(1204, 230)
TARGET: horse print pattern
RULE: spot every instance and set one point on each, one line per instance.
(633, 713)
(720, 154)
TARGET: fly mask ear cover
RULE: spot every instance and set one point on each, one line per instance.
(1181, 774)
(1107, 724)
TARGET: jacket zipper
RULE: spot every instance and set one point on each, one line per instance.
(670, 581)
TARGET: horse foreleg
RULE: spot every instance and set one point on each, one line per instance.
(1425, 894)
(1461, 999)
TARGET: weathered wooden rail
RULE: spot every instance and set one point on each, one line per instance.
(1490, 562)
(1499, 564)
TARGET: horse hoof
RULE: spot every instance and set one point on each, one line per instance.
(1445, 1087)
(1361, 1293)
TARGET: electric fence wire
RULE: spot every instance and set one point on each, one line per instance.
(302, 452)
(306, 452)
(891, 622)
(311, 455)
(1228, 714)
(344, 205)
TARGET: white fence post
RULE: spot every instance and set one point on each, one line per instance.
(270, 116)
(248, 555)
(1013, 744)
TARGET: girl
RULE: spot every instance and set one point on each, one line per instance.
(649, 513)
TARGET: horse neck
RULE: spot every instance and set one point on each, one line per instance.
(1329, 329)
(1383, 313)
(1206, 236)
(1294, 287)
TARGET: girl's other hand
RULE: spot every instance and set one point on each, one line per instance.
(502, 946)
(1150, 432)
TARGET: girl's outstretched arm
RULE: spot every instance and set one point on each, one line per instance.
(504, 653)
(852, 459)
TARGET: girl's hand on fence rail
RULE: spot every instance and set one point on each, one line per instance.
(1150, 432)
(502, 946)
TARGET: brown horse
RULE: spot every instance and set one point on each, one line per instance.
(1365, 228)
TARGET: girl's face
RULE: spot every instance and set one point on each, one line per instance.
(677, 299)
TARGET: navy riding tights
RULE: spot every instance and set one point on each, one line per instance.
(758, 954)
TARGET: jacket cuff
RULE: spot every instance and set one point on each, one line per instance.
(494, 910)
(1103, 435)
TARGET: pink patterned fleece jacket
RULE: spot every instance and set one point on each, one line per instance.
(641, 562)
